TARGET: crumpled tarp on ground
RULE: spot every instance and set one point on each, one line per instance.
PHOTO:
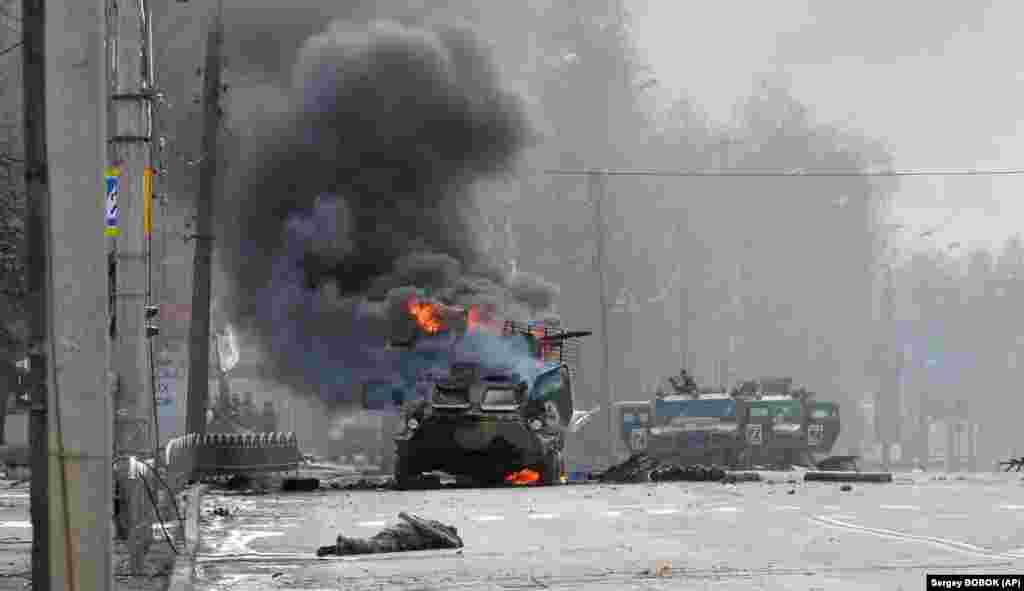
(644, 468)
(413, 533)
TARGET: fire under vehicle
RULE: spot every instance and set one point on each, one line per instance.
(498, 410)
(763, 422)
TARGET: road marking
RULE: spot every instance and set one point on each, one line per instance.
(541, 516)
(900, 507)
(726, 509)
(1012, 507)
(662, 511)
(614, 513)
(372, 523)
(788, 508)
(16, 524)
(831, 507)
(891, 534)
(490, 518)
(953, 516)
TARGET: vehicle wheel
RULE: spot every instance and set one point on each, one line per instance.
(552, 469)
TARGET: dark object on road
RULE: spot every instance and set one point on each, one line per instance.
(846, 488)
(300, 484)
(734, 477)
(643, 468)
(238, 482)
(839, 463)
(220, 512)
(414, 533)
(636, 469)
(365, 484)
(676, 473)
(848, 476)
(1013, 463)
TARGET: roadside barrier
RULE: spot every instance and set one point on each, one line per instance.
(225, 454)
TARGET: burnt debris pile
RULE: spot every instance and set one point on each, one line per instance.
(411, 534)
(1015, 464)
(643, 468)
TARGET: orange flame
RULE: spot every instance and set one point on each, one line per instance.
(523, 477)
(427, 315)
(482, 318)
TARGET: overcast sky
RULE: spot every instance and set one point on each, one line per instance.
(939, 82)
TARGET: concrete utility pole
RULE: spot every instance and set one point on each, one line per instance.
(596, 184)
(37, 268)
(130, 182)
(887, 410)
(80, 439)
(199, 329)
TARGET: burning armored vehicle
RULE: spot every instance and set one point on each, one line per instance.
(499, 407)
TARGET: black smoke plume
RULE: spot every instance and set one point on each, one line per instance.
(364, 191)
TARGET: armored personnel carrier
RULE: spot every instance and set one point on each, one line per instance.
(500, 410)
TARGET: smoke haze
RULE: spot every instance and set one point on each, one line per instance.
(367, 187)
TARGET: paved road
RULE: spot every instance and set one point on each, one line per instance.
(747, 536)
(15, 537)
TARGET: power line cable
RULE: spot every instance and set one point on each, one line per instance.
(797, 172)
(11, 48)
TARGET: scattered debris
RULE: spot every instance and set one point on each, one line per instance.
(846, 487)
(220, 512)
(636, 469)
(643, 468)
(791, 492)
(300, 484)
(365, 484)
(667, 473)
(414, 533)
(1016, 464)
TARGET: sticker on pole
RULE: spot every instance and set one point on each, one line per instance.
(755, 435)
(113, 178)
(147, 202)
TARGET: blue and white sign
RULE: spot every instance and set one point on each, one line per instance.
(113, 178)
